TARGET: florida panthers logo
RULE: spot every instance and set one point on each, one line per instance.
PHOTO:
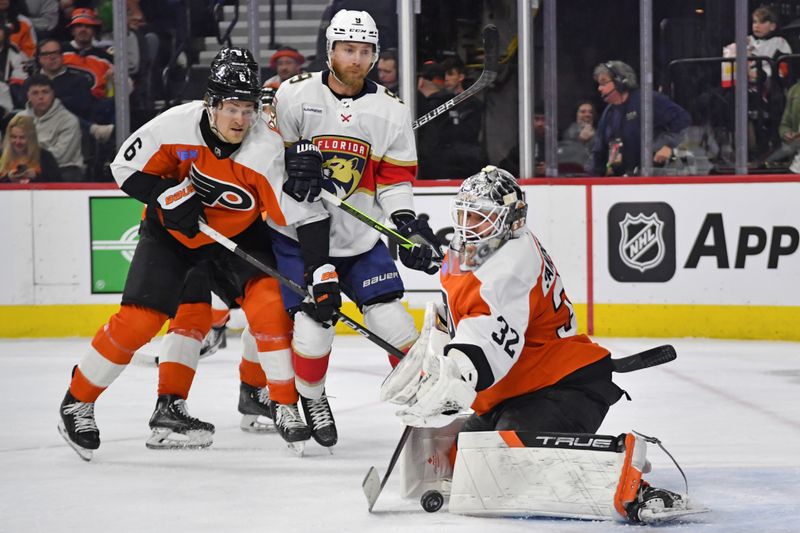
(345, 161)
(217, 193)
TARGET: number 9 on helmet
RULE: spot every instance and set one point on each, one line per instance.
(488, 210)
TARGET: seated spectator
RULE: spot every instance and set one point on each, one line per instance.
(579, 138)
(387, 69)
(57, 129)
(511, 160)
(789, 132)
(12, 75)
(73, 88)
(82, 52)
(22, 34)
(286, 62)
(43, 14)
(617, 147)
(23, 160)
(430, 95)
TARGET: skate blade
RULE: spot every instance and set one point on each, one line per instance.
(298, 448)
(83, 453)
(256, 424)
(648, 516)
(166, 439)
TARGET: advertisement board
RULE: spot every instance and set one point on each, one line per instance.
(114, 232)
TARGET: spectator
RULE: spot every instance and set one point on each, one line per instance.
(430, 95)
(286, 62)
(458, 145)
(73, 88)
(12, 75)
(387, 69)
(511, 160)
(617, 147)
(23, 160)
(23, 36)
(43, 15)
(789, 131)
(58, 130)
(576, 147)
(83, 53)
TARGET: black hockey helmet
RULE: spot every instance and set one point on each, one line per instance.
(233, 81)
(237, 55)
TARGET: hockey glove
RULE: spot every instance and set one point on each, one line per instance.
(304, 171)
(447, 387)
(180, 204)
(325, 297)
(420, 257)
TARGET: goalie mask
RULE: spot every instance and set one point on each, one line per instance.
(355, 26)
(488, 210)
(234, 76)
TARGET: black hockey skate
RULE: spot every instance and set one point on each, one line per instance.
(658, 505)
(290, 426)
(78, 427)
(173, 426)
(320, 419)
(216, 339)
(256, 409)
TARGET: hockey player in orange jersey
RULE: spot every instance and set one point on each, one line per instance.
(512, 353)
(212, 160)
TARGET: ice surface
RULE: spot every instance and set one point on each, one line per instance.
(727, 410)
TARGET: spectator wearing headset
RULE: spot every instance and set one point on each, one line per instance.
(617, 147)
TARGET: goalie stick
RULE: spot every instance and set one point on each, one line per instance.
(490, 65)
(295, 287)
(373, 484)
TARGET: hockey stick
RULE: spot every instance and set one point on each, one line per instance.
(295, 287)
(652, 357)
(491, 53)
(397, 238)
(491, 48)
(373, 484)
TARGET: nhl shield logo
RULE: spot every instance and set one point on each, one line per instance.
(641, 245)
(641, 248)
(345, 162)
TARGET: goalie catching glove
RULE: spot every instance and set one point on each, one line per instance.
(304, 171)
(432, 386)
(325, 298)
(422, 256)
(180, 204)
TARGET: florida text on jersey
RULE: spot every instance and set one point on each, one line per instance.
(368, 146)
(235, 190)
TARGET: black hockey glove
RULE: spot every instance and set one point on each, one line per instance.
(304, 171)
(181, 205)
(324, 288)
(421, 257)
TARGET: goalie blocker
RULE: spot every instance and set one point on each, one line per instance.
(516, 474)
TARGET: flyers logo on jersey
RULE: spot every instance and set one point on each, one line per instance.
(345, 161)
(215, 193)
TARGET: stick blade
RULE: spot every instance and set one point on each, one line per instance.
(371, 486)
(652, 357)
(491, 48)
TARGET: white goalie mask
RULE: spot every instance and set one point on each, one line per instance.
(355, 26)
(488, 210)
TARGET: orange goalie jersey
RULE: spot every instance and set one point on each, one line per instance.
(235, 190)
(514, 308)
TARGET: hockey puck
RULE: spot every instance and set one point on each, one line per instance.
(432, 501)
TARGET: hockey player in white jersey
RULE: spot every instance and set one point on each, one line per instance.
(363, 133)
(512, 354)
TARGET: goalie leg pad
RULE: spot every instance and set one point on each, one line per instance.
(509, 473)
(425, 463)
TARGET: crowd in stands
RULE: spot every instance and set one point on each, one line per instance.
(58, 65)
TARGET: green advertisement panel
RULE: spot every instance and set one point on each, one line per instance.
(114, 227)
